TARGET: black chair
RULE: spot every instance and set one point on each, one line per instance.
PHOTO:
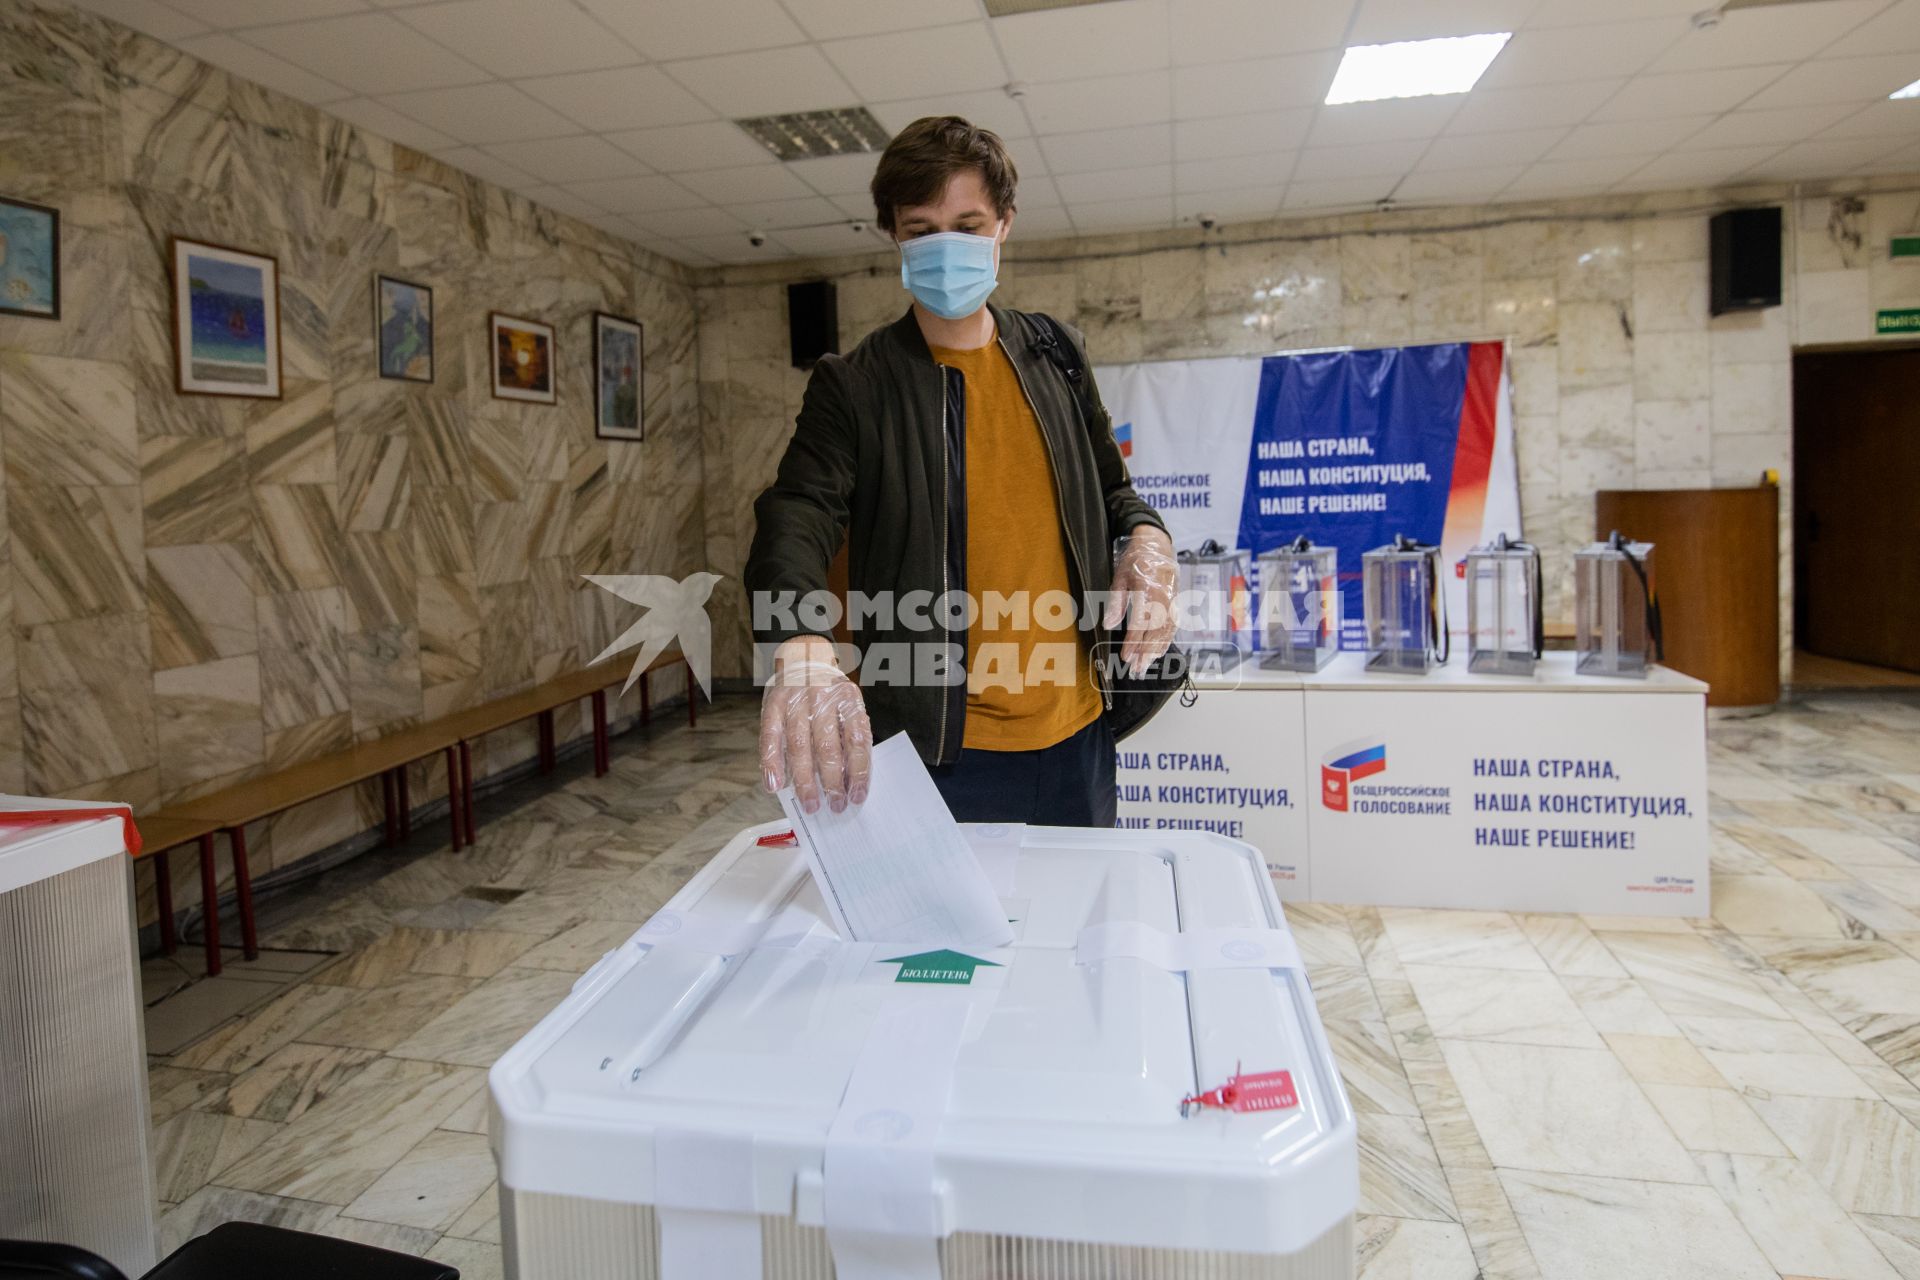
(232, 1251)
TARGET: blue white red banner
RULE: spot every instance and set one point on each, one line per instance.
(1348, 447)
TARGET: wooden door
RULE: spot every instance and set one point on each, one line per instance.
(1856, 507)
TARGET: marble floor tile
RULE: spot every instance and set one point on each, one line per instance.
(171, 1090)
(476, 1260)
(1499, 1246)
(1399, 1172)
(1850, 977)
(1636, 924)
(1773, 905)
(1343, 991)
(381, 1018)
(474, 953)
(1518, 1007)
(194, 1147)
(341, 1147)
(1588, 1228)
(432, 1185)
(248, 1041)
(1862, 1151)
(1323, 935)
(1853, 849)
(481, 1219)
(1796, 1224)
(1664, 1060)
(1686, 975)
(486, 1022)
(1370, 1068)
(1564, 1111)
(471, 1116)
(1619, 1005)
(1712, 1120)
(189, 1014)
(1898, 1240)
(211, 1206)
(1569, 947)
(1408, 1249)
(291, 1080)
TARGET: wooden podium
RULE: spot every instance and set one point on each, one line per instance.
(1716, 565)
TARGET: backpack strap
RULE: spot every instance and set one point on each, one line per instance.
(1055, 345)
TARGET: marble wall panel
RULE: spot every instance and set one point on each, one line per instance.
(200, 603)
(303, 661)
(208, 720)
(86, 701)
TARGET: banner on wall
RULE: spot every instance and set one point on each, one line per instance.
(1348, 447)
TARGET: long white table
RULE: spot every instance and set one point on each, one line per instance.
(1554, 792)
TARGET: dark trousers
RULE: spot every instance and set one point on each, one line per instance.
(1069, 784)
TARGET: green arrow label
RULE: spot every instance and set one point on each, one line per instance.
(951, 967)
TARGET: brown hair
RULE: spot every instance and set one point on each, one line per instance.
(923, 157)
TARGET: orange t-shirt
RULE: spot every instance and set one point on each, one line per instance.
(1028, 682)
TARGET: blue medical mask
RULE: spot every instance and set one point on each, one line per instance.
(950, 273)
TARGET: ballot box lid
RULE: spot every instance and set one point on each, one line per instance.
(737, 1017)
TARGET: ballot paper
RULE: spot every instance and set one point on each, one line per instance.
(897, 868)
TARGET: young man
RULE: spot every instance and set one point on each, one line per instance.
(953, 454)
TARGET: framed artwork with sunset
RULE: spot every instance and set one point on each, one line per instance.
(522, 358)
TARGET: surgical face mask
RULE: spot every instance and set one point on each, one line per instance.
(950, 273)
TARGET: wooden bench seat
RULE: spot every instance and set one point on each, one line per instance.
(232, 808)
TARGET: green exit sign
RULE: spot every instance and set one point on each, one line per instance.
(1905, 247)
(1904, 321)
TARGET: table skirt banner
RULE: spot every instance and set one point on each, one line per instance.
(1234, 764)
(1348, 447)
(1560, 799)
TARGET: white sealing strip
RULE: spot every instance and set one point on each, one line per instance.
(704, 1202)
(1198, 949)
(882, 1211)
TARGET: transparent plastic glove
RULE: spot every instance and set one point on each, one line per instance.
(1145, 576)
(813, 729)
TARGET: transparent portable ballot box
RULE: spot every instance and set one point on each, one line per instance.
(1616, 612)
(1503, 608)
(1213, 602)
(1299, 606)
(1405, 607)
(702, 1109)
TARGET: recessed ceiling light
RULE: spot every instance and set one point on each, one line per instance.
(808, 134)
(1414, 68)
(1911, 91)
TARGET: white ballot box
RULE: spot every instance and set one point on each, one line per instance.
(1139, 1085)
(75, 1162)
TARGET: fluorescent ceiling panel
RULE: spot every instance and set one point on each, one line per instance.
(1414, 68)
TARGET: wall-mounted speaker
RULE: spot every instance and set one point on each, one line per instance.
(813, 321)
(1745, 259)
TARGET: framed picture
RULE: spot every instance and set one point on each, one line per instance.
(29, 260)
(403, 327)
(226, 321)
(618, 379)
(522, 359)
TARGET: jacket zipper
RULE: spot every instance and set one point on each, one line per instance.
(946, 518)
(1059, 500)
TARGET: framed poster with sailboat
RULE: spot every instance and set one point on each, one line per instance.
(226, 321)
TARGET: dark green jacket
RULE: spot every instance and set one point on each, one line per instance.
(879, 454)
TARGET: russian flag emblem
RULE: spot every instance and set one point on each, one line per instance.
(1345, 765)
(1124, 435)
